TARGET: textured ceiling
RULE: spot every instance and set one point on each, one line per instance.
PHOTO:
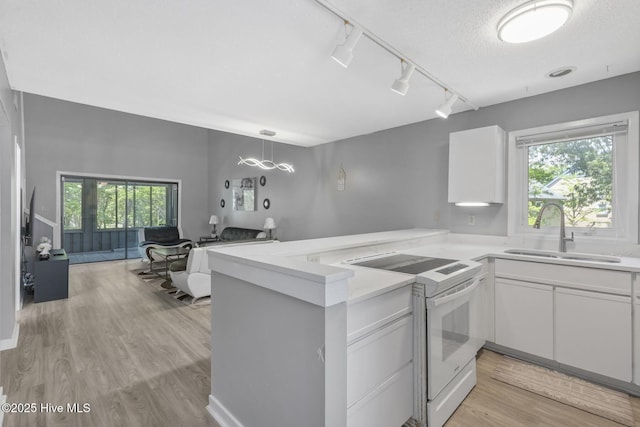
(249, 65)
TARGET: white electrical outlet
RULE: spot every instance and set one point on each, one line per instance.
(471, 220)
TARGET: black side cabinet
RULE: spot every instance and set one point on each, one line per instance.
(51, 277)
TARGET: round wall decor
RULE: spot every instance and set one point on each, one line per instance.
(222, 203)
(266, 203)
(263, 180)
(226, 184)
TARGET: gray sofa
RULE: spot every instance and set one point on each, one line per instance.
(239, 234)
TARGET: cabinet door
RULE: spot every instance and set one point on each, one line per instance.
(593, 332)
(524, 317)
(476, 165)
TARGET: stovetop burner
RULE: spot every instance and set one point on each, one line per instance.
(410, 264)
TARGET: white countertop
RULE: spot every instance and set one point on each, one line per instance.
(324, 280)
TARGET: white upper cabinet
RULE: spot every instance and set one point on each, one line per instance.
(477, 166)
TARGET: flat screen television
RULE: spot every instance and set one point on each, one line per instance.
(28, 224)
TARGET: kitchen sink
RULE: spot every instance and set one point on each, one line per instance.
(564, 255)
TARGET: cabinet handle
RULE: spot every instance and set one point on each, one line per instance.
(459, 294)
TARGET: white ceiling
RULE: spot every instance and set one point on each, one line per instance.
(243, 66)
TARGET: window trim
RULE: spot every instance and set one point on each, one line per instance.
(518, 185)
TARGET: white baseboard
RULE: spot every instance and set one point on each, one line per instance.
(3, 399)
(221, 414)
(12, 342)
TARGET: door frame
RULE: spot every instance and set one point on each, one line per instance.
(57, 232)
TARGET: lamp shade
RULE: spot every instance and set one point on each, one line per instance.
(213, 220)
(269, 224)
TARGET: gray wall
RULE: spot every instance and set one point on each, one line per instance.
(396, 178)
(264, 356)
(10, 128)
(64, 136)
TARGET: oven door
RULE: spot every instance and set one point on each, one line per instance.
(453, 333)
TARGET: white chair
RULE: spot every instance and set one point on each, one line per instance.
(196, 279)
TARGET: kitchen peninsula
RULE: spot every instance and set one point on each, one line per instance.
(299, 337)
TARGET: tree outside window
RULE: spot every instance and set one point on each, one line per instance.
(147, 205)
(579, 175)
(72, 205)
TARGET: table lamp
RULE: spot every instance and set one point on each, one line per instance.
(269, 224)
(213, 221)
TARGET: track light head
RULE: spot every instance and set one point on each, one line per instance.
(343, 53)
(445, 109)
(401, 85)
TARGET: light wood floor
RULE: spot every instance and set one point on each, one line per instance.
(495, 404)
(141, 358)
(136, 355)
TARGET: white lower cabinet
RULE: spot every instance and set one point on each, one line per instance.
(389, 406)
(593, 332)
(380, 360)
(524, 316)
(377, 357)
(578, 316)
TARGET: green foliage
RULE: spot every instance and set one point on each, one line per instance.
(116, 205)
(72, 218)
(580, 172)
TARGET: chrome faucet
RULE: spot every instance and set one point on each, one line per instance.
(563, 238)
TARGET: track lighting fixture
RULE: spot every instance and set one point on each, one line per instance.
(401, 85)
(343, 53)
(445, 109)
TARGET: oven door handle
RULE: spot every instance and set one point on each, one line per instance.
(434, 302)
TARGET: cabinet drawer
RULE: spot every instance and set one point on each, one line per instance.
(376, 357)
(595, 279)
(373, 313)
(391, 404)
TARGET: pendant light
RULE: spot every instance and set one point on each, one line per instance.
(266, 164)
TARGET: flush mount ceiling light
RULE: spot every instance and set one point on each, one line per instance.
(445, 109)
(401, 85)
(266, 164)
(343, 53)
(533, 20)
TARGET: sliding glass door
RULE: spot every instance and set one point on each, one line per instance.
(101, 217)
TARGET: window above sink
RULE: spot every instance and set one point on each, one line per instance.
(588, 166)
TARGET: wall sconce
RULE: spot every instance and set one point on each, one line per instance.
(342, 178)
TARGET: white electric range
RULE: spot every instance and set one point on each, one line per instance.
(446, 329)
